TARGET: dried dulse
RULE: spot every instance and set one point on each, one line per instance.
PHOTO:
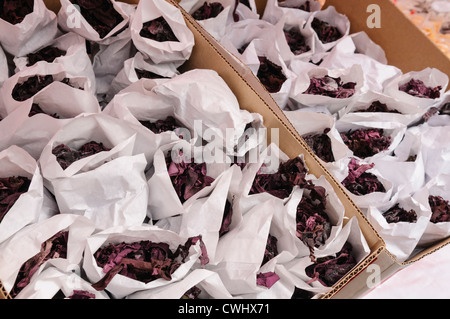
(313, 224)
(10, 190)
(296, 41)
(158, 30)
(359, 182)
(366, 142)
(417, 88)
(326, 32)
(100, 14)
(144, 74)
(14, 11)
(160, 126)
(81, 294)
(267, 279)
(187, 177)
(55, 247)
(271, 249)
(144, 260)
(270, 74)
(226, 219)
(331, 87)
(397, 214)
(66, 156)
(440, 209)
(34, 84)
(47, 54)
(208, 10)
(378, 107)
(320, 143)
(280, 184)
(329, 270)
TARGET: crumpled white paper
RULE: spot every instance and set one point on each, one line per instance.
(215, 26)
(262, 47)
(4, 71)
(401, 238)
(359, 49)
(36, 29)
(405, 167)
(80, 94)
(176, 52)
(394, 130)
(202, 100)
(76, 61)
(275, 10)
(333, 18)
(204, 215)
(109, 187)
(241, 251)
(408, 113)
(350, 233)
(30, 239)
(437, 186)
(354, 73)
(27, 209)
(70, 19)
(435, 149)
(122, 286)
(163, 201)
(315, 123)
(431, 77)
(128, 74)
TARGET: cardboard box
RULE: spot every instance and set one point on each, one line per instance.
(409, 49)
(252, 96)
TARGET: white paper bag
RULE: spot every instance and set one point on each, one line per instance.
(129, 74)
(405, 167)
(71, 19)
(203, 101)
(347, 53)
(176, 52)
(408, 114)
(208, 282)
(27, 243)
(316, 123)
(393, 130)
(79, 92)
(163, 199)
(290, 9)
(334, 19)
(76, 61)
(109, 187)
(354, 74)
(27, 208)
(121, 286)
(215, 26)
(429, 76)
(438, 186)
(36, 29)
(265, 49)
(401, 238)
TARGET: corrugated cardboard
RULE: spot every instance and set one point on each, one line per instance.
(252, 96)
